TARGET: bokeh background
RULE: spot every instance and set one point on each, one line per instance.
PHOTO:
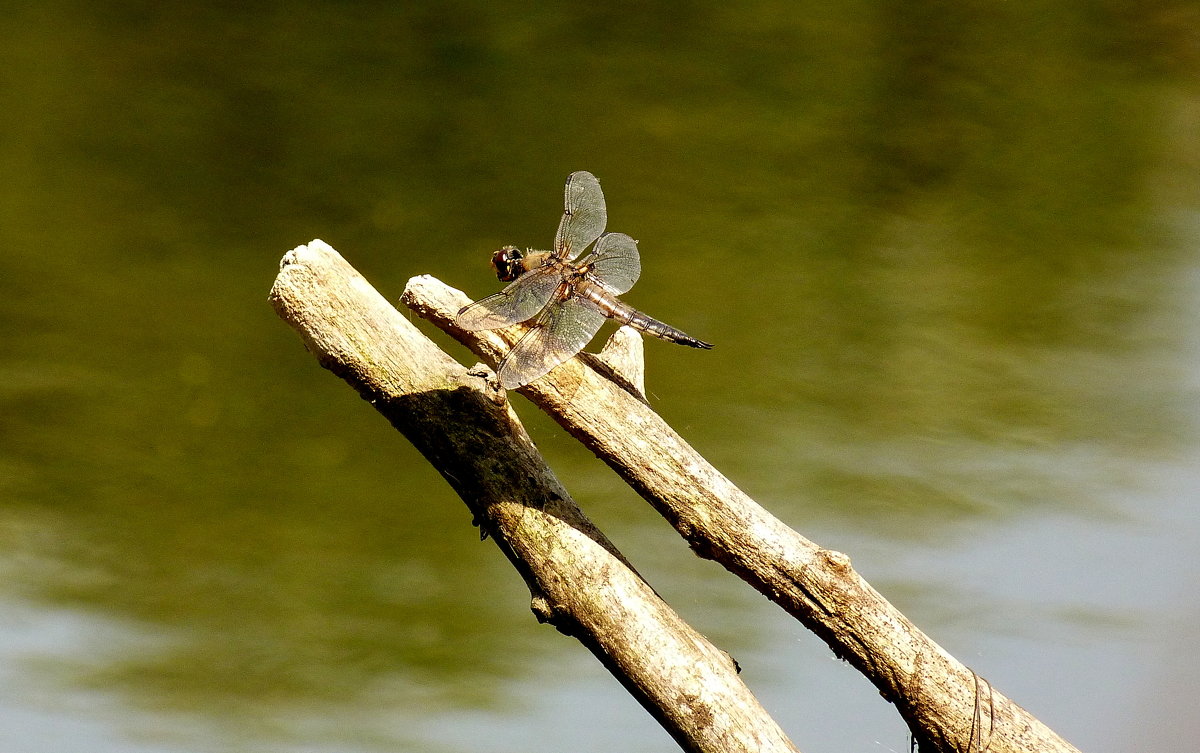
(949, 254)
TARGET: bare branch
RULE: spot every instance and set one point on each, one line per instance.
(578, 580)
(946, 705)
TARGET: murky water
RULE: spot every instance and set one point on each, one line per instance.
(950, 257)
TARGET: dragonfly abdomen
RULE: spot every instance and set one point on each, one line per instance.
(616, 309)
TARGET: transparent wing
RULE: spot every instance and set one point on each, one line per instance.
(615, 262)
(560, 333)
(519, 302)
(584, 215)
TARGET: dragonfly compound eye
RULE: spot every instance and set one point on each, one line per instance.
(506, 262)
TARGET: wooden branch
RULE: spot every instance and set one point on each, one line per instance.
(578, 580)
(945, 704)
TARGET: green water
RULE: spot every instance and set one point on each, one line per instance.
(947, 253)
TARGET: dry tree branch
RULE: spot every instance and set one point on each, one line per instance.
(945, 704)
(578, 580)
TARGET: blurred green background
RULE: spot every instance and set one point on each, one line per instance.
(949, 254)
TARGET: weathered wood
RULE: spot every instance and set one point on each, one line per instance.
(945, 704)
(578, 580)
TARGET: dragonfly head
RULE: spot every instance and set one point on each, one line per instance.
(507, 263)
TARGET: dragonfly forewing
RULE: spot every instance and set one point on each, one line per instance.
(520, 301)
(584, 215)
(559, 334)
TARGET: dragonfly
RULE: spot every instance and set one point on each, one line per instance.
(564, 301)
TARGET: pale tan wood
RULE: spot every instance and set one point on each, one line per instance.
(578, 580)
(625, 356)
(945, 704)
